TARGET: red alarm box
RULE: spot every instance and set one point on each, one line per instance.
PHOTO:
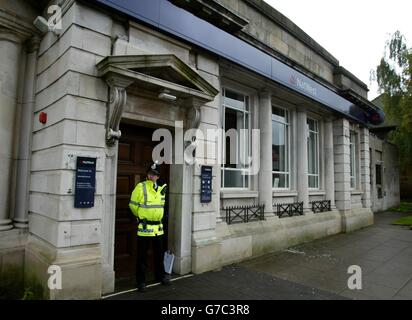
(43, 117)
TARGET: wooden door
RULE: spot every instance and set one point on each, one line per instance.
(134, 157)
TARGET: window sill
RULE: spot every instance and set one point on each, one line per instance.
(233, 194)
(317, 193)
(356, 193)
(284, 193)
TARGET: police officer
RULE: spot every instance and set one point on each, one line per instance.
(147, 204)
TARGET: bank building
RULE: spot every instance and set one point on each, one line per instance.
(85, 84)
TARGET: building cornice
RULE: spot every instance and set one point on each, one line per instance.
(292, 28)
(342, 71)
(14, 24)
(222, 12)
(215, 13)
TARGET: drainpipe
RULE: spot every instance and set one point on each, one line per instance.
(25, 142)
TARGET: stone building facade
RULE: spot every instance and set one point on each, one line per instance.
(101, 80)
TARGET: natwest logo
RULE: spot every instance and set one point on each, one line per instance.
(293, 80)
(302, 85)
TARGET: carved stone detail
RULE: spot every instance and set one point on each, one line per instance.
(193, 117)
(193, 114)
(118, 99)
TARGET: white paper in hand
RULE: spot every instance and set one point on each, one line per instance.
(168, 260)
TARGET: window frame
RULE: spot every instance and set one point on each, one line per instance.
(248, 110)
(288, 151)
(379, 163)
(317, 133)
(353, 152)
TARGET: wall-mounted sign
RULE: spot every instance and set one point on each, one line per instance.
(85, 184)
(302, 85)
(206, 184)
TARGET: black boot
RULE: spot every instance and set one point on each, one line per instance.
(141, 287)
(165, 281)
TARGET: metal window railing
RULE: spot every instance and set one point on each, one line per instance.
(244, 214)
(289, 209)
(321, 206)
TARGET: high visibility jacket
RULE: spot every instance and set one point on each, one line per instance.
(147, 205)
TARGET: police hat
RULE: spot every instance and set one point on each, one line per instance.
(154, 168)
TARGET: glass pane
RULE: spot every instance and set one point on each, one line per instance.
(233, 120)
(379, 190)
(279, 115)
(316, 155)
(230, 152)
(221, 178)
(378, 155)
(279, 143)
(352, 159)
(312, 153)
(313, 125)
(233, 179)
(378, 174)
(352, 182)
(280, 180)
(313, 182)
(244, 143)
(353, 163)
(352, 137)
(234, 100)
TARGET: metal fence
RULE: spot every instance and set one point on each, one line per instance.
(243, 214)
(321, 206)
(289, 209)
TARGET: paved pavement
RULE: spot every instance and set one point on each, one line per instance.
(312, 271)
(383, 251)
(231, 283)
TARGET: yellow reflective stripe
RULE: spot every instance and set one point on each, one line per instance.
(149, 206)
(134, 203)
(144, 193)
(150, 231)
(152, 206)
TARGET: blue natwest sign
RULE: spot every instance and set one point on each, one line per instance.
(85, 184)
(164, 15)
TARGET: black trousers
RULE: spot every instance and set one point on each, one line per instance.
(141, 265)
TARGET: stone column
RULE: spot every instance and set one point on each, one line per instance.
(302, 159)
(329, 163)
(265, 172)
(26, 124)
(10, 47)
(181, 216)
(342, 164)
(365, 168)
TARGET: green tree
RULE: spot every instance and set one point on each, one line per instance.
(393, 75)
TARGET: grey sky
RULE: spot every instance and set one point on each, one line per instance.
(353, 31)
